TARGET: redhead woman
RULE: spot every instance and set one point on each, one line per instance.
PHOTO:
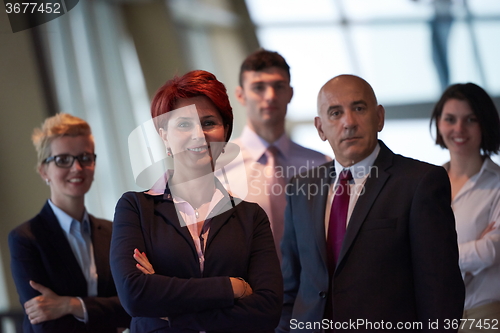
(468, 126)
(211, 264)
(60, 258)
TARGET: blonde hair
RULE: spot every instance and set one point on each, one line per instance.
(54, 127)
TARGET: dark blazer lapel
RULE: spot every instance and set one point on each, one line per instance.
(374, 184)
(166, 208)
(226, 207)
(216, 224)
(58, 242)
(101, 245)
(318, 205)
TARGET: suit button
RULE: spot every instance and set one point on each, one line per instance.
(322, 294)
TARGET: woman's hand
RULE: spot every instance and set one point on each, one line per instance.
(50, 306)
(143, 263)
(488, 229)
(241, 288)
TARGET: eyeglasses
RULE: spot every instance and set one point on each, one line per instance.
(67, 160)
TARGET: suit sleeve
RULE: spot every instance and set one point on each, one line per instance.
(26, 265)
(290, 267)
(259, 311)
(479, 254)
(156, 295)
(105, 312)
(435, 251)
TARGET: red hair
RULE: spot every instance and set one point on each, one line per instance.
(192, 84)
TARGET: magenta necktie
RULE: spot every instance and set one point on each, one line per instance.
(338, 219)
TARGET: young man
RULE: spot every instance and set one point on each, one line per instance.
(269, 157)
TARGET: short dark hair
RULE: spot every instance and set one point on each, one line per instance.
(192, 84)
(484, 109)
(261, 60)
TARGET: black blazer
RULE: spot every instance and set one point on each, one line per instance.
(40, 252)
(239, 244)
(399, 258)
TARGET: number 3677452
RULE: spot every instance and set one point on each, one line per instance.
(33, 8)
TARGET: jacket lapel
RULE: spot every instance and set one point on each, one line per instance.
(318, 206)
(61, 248)
(169, 213)
(101, 246)
(167, 210)
(374, 184)
(216, 224)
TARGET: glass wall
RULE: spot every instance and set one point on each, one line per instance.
(389, 43)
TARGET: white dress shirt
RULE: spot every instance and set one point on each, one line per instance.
(475, 206)
(79, 236)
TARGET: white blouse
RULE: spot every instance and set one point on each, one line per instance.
(476, 206)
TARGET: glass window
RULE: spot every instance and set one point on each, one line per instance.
(279, 11)
(387, 42)
(401, 10)
(396, 61)
(413, 138)
(315, 55)
(307, 136)
(484, 7)
(488, 40)
(461, 55)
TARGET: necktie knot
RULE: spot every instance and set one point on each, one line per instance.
(76, 227)
(272, 161)
(273, 151)
(345, 175)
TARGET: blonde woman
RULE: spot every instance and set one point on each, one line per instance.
(60, 258)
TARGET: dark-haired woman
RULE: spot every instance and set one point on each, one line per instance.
(468, 126)
(212, 263)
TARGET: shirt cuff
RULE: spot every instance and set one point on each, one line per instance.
(85, 318)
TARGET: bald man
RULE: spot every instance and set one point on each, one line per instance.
(381, 257)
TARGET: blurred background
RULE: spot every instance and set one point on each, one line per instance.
(103, 61)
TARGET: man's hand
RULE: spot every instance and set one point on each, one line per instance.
(50, 306)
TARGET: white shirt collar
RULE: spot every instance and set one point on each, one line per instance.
(489, 165)
(257, 146)
(64, 219)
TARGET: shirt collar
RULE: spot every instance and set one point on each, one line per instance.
(64, 219)
(167, 193)
(362, 168)
(257, 146)
(487, 166)
(219, 200)
(159, 186)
